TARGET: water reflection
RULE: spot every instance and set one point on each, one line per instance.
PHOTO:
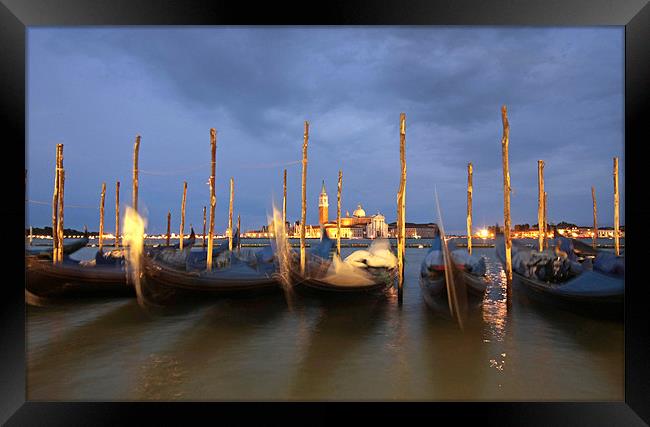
(494, 308)
(217, 358)
(252, 349)
(339, 328)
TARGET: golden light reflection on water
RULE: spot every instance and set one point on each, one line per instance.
(495, 317)
(160, 377)
(495, 310)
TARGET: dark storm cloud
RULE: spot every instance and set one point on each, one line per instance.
(563, 89)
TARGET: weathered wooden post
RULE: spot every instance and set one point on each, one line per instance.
(136, 153)
(31, 235)
(506, 203)
(284, 200)
(183, 214)
(303, 210)
(213, 198)
(338, 214)
(545, 221)
(117, 214)
(60, 228)
(55, 206)
(541, 219)
(401, 208)
(595, 236)
(101, 217)
(470, 190)
(203, 226)
(616, 209)
(232, 196)
(169, 227)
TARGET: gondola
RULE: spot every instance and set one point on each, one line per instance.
(75, 279)
(105, 275)
(196, 260)
(321, 278)
(470, 284)
(472, 271)
(164, 282)
(585, 288)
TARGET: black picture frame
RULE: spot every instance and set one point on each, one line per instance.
(16, 15)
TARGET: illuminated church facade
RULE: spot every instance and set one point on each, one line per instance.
(357, 226)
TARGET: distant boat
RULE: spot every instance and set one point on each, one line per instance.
(68, 248)
(584, 289)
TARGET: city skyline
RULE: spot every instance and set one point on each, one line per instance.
(94, 89)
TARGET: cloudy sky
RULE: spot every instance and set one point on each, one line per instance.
(95, 89)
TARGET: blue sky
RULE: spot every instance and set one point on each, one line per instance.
(94, 89)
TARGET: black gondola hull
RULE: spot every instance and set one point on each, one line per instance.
(45, 279)
(164, 285)
(609, 306)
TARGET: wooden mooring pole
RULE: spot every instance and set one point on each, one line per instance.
(117, 214)
(470, 171)
(541, 220)
(182, 232)
(616, 209)
(595, 230)
(55, 205)
(338, 214)
(506, 203)
(545, 221)
(136, 153)
(101, 217)
(60, 227)
(401, 209)
(230, 206)
(303, 209)
(213, 198)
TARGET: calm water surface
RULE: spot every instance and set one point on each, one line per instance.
(265, 349)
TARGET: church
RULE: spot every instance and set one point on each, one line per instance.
(357, 226)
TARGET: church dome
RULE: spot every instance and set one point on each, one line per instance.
(359, 212)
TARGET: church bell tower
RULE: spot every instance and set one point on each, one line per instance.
(323, 206)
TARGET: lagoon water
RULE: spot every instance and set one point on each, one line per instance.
(264, 349)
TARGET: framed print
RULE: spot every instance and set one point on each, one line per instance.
(387, 210)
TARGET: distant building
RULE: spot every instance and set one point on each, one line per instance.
(608, 232)
(357, 226)
(323, 206)
(415, 230)
(377, 227)
(311, 231)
